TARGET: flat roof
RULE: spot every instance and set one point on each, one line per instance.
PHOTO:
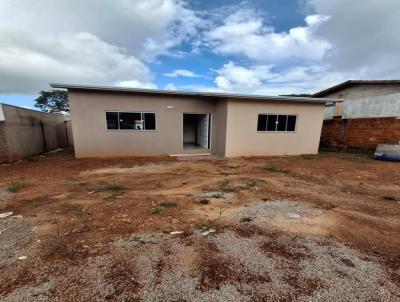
(193, 94)
(349, 83)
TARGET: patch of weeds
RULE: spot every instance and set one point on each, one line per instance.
(159, 207)
(204, 201)
(253, 182)
(272, 168)
(246, 219)
(168, 204)
(55, 246)
(225, 173)
(225, 186)
(16, 186)
(113, 186)
(155, 210)
(389, 197)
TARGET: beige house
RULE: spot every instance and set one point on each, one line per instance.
(110, 121)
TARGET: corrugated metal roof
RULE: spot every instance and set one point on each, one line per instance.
(351, 83)
(192, 94)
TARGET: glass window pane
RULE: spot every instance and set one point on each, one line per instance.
(291, 123)
(271, 125)
(282, 122)
(262, 122)
(131, 121)
(112, 120)
(149, 121)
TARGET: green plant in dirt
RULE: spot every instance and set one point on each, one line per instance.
(225, 186)
(389, 197)
(253, 182)
(155, 210)
(167, 204)
(113, 186)
(204, 201)
(246, 219)
(16, 186)
(272, 168)
(55, 245)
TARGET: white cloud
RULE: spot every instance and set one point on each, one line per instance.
(182, 73)
(364, 35)
(135, 84)
(244, 32)
(266, 79)
(170, 86)
(90, 42)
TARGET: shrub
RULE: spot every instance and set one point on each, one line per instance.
(16, 186)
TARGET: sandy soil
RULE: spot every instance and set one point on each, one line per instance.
(308, 228)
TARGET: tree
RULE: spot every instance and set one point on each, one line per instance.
(55, 101)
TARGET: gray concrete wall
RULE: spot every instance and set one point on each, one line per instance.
(364, 90)
(29, 132)
(367, 107)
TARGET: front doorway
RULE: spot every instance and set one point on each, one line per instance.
(196, 131)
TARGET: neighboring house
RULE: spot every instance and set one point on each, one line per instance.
(368, 116)
(110, 121)
(25, 132)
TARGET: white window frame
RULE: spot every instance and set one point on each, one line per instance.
(276, 123)
(141, 116)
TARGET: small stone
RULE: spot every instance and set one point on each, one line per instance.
(17, 216)
(176, 232)
(6, 214)
(208, 232)
(293, 216)
(22, 258)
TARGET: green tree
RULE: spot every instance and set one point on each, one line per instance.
(55, 101)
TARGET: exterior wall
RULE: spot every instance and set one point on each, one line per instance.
(29, 132)
(364, 133)
(364, 90)
(92, 139)
(242, 138)
(370, 106)
(70, 137)
(3, 142)
(220, 122)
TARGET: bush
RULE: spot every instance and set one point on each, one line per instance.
(15, 186)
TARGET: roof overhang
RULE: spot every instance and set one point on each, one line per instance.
(214, 95)
(350, 83)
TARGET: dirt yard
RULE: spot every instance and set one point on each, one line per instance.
(308, 228)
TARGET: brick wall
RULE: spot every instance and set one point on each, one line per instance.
(364, 133)
(3, 144)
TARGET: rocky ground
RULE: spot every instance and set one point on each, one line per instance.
(309, 228)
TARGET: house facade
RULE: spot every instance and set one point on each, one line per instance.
(109, 121)
(369, 114)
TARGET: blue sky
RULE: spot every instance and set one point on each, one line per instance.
(266, 47)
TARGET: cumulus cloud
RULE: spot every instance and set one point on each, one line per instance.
(267, 79)
(182, 73)
(364, 36)
(245, 32)
(91, 42)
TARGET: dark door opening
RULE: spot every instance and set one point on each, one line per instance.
(196, 131)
